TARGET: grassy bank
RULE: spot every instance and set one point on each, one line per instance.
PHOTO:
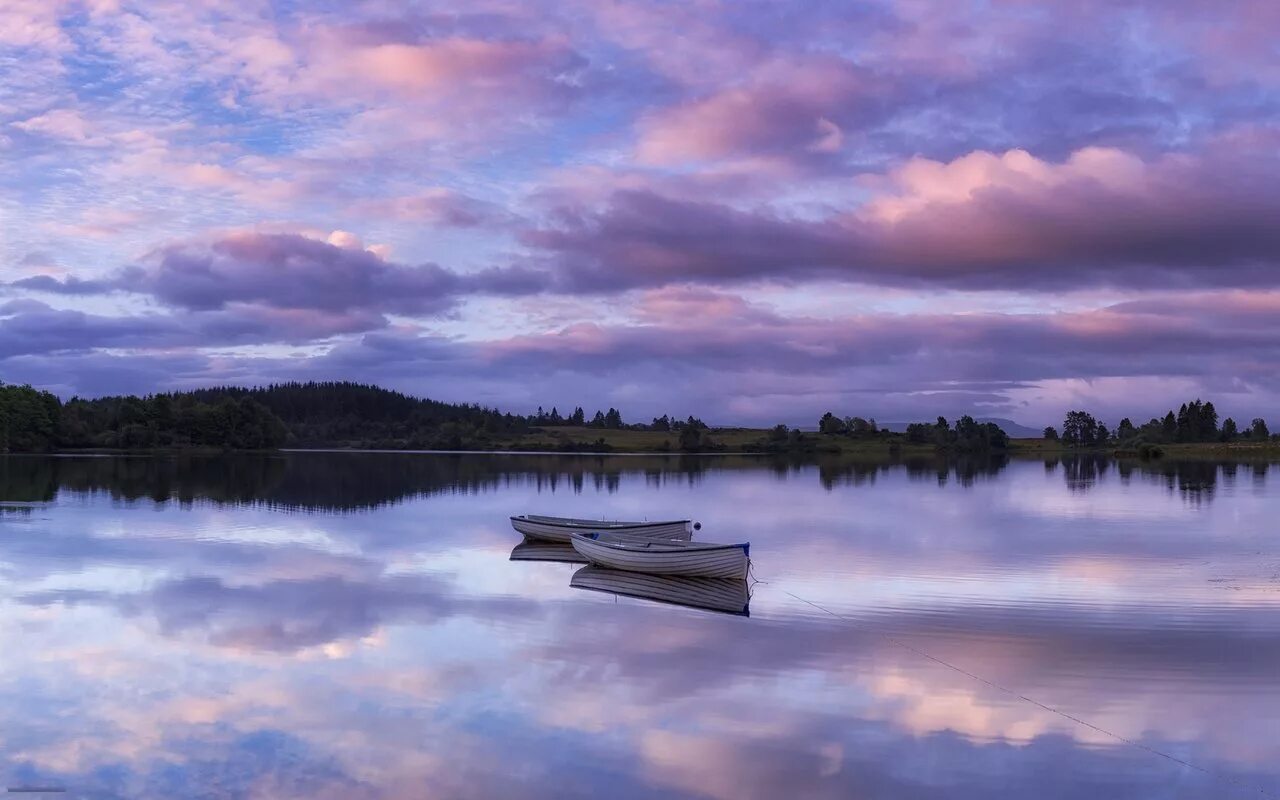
(1237, 449)
(728, 439)
(747, 440)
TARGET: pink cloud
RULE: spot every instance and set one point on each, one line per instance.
(706, 52)
(437, 206)
(449, 64)
(101, 223)
(1101, 217)
(33, 23)
(789, 108)
(686, 305)
(62, 123)
(921, 185)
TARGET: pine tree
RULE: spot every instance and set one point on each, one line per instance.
(1208, 423)
(1229, 431)
(1125, 430)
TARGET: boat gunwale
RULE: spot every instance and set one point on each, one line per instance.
(568, 522)
(673, 545)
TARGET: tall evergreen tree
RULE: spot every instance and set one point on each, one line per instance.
(1229, 431)
(1208, 423)
(1125, 430)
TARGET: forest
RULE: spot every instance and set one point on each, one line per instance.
(304, 415)
(291, 414)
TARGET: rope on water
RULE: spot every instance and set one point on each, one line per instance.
(1038, 704)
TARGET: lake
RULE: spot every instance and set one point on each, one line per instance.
(351, 625)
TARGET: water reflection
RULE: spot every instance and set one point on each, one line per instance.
(328, 482)
(172, 628)
(336, 481)
(541, 550)
(725, 595)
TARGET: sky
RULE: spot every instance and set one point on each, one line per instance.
(753, 212)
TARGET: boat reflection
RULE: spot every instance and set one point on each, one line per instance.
(724, 595)
(541, 550)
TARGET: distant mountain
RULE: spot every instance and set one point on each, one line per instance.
(1013, 429)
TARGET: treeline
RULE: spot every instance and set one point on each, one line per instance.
(693, 435)
(848, 426)
(36, 421)
(968, 435)
(612, 420)
(784, 439)
(1194, 422)
(305, 415)
(346, 414)
(299, 414)
(29, 419)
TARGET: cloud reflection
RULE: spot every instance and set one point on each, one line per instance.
(393, 651)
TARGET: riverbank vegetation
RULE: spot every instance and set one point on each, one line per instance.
(1194, 427)
(356, 416)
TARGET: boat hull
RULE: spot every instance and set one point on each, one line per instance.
(725, 595)
(560, 532)
(693, 560)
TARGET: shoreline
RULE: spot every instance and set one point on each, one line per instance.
(731, 442)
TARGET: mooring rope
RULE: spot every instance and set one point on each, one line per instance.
(1013, 693)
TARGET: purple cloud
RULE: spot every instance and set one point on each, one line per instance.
(292, 273)
(732, 360)
(797, 110)
(583, 154)
(985, 221)
(69, 285)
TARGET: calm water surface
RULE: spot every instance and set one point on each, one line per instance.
(352, 626)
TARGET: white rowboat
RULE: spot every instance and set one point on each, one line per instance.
(562, 529)
(655, 557)
(726, 595)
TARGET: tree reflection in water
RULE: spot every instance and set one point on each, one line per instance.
(353, 481)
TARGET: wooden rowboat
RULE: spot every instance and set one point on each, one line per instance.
(726, 595)
(664, 557)
(562, 529)
(538, 550)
